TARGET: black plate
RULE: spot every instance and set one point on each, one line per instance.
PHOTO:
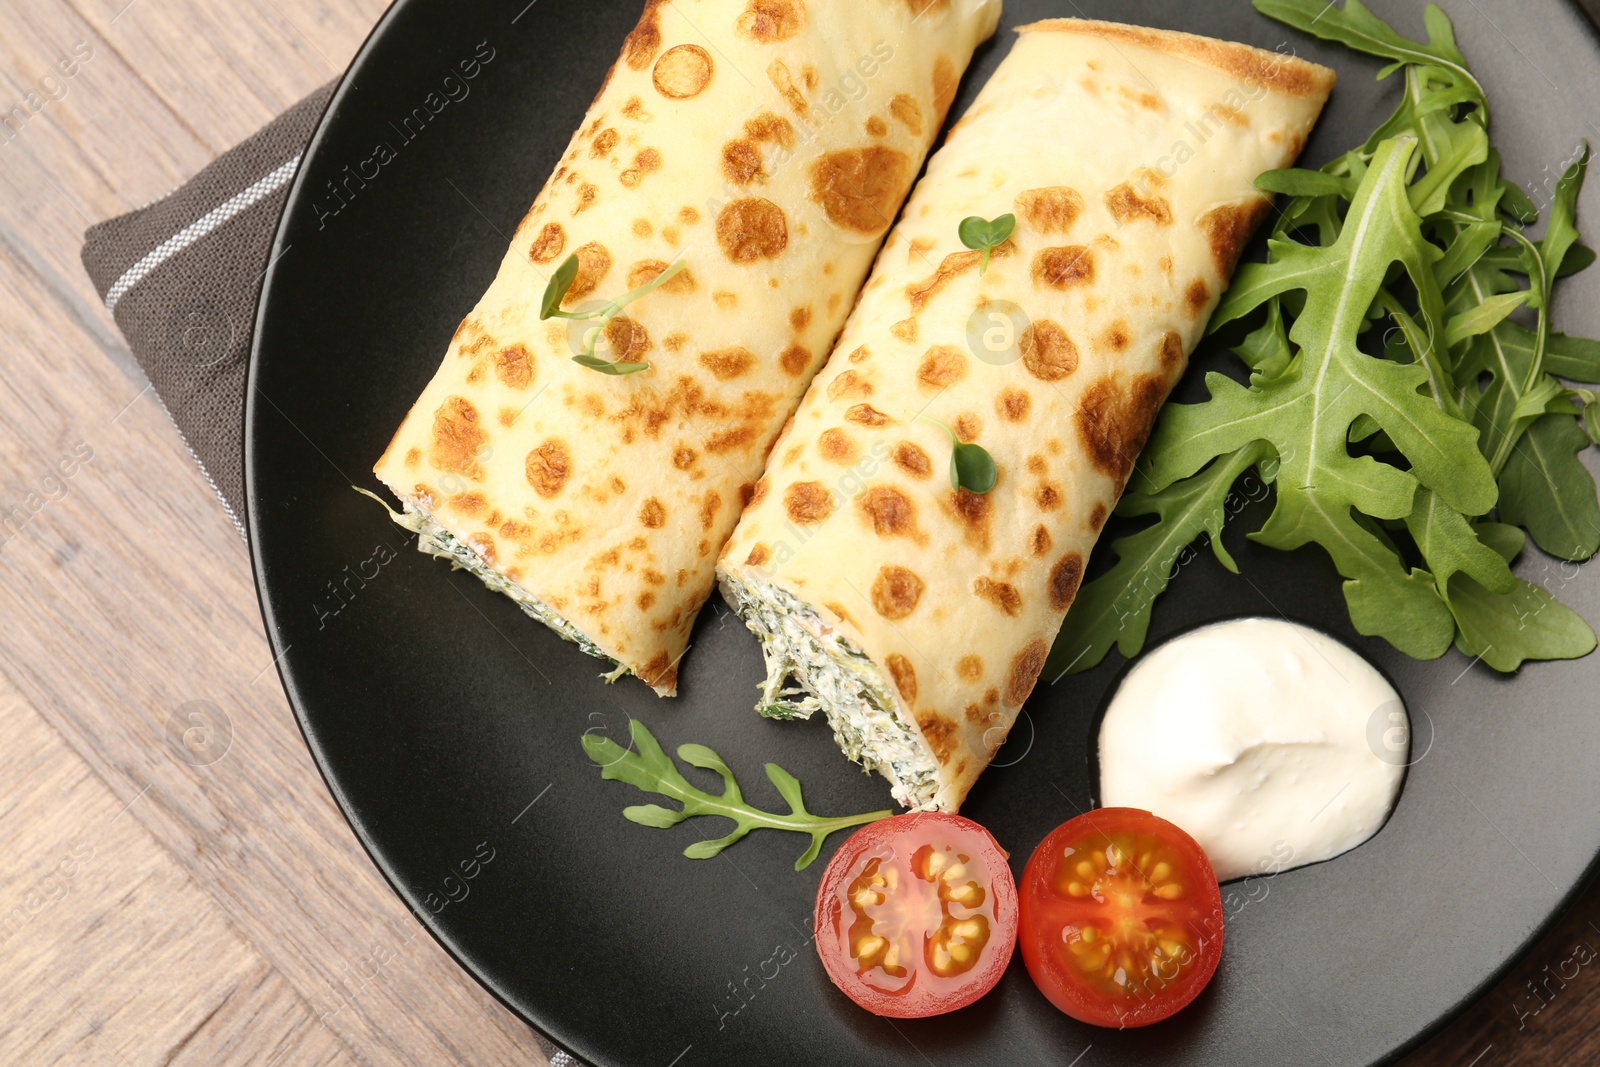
(439, 713)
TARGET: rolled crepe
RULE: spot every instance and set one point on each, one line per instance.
(761, 148)
(918, 616)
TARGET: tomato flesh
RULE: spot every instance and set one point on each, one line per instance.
(917, 915)
(1121, 918)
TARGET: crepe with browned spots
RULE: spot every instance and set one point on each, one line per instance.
(918, 616)
(768, 145)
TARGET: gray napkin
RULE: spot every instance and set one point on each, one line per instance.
(182, 277)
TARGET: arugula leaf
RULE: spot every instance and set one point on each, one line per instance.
(1507, 629)
(1545, 488)
(1114, 609)
(985, 235)
(1359, 28)
(648, 768)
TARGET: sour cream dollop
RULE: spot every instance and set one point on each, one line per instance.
(1272, 744)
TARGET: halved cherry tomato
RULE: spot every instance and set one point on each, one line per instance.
(1121, 918)
(917, 915)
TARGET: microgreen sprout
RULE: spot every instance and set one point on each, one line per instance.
(985, 235)
(971, 466)
(556, 291)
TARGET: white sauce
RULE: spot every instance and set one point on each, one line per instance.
(1272, 744)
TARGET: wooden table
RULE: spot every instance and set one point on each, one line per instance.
(154, 911)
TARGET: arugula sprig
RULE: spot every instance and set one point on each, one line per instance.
(1416, 461)
(985, 235)
(555, 291)
(971, 466)
(648, 768)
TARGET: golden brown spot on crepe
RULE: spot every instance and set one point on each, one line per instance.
(513, 365)
(1097, 517)
(918, 247)
(457, 438)
(751, 228)
(640, 47)
(1228, 228)
(944, 87)
(683, 457)
(1051, 209)
(741, 162)
(1040, 541)
(905, 678)
(1048, 497)
(648, 270)
(1025, 670)
(475, 375)
(795, 359)
(1165, 263)
(644, 162)
(709, 507)
(754, 495)
(725, 298)
(905, 109)
(633, 108)
(860, 355)
(807, 502)
(1171, 352)
(1001, 594)
(770, 21)
(837, 446)
(974, 512)
(727, 363)
(1047, 352)
(1036, 464)
(586, 197)
(727, 440)
(778, 74)
(968, 426)
(912, 459)
(919, 293)
(604, 142)
(669, 234)
(1117, 337)
(512, 530)
(1063, 266)
(866, 415)
(847, 385)
(860, 188)
(593, 264)
(628, 340)
(683, 71)
(414, 455)
(1064, 579)
(647, 600)
(799, 318)
(876, 127)
(940, 733)
(895, 591)
(688, 215)
(758, 555)
(1013, 405)
(1114, 420)
(906, 330)
(969, 668)
(642, 228)
(548, 245)
(547, 467)
(941, 367)
(1249, 65)
(652, 514)
(660, 672)
(1196, 297)
(1144, 99)
(769, 127)
(889, 511)
(467, 503)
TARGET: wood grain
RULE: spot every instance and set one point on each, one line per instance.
(222, 912)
